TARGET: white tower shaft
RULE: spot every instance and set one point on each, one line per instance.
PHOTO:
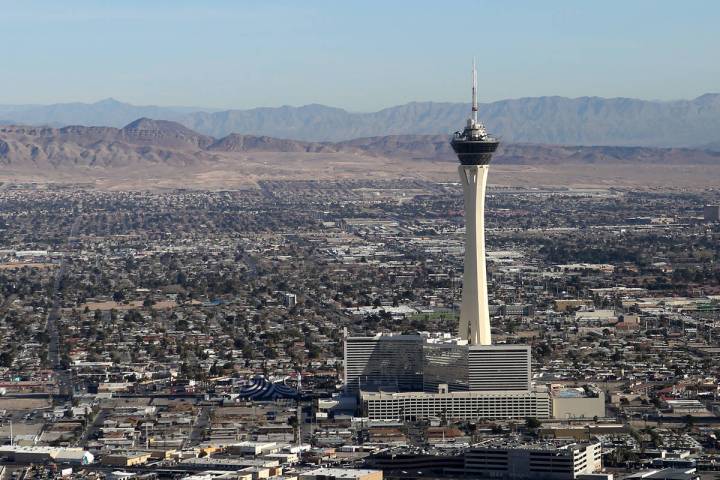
(474, 315)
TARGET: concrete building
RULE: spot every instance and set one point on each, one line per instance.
(546, 461)
(499, 367)
(474, 148)
(563, 305)
(412, 363)
(711, 213)
(259, 468)
(666, 474)
(504, 459)
(476, 367)
(687, 406)
(586, 402)
(341, 474)
(290, 300)
(384, 362)
(74, 456)
(467, 405)
(559, 403)
(253, 448)
(41, 454)
(126, 459)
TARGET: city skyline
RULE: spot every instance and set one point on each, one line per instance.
(315, 293)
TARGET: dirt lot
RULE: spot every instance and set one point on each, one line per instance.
(15, 404)
(133, 305)
(19, 265)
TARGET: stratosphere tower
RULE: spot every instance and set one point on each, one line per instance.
(474, 148)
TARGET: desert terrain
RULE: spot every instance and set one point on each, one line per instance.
(160, 155)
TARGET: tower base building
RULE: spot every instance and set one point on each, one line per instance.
(419, 377)
(496, 405)
(539, 403)
(479, 368)
(384, 363)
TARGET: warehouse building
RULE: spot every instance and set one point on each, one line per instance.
(35, 454)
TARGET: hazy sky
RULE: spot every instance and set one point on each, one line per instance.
(360, 55)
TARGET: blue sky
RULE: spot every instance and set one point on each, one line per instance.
(359, 55)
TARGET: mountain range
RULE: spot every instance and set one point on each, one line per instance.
(590, 121)
(162, 142)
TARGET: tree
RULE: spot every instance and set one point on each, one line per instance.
(6, 359)
(532, 423)
(293, 422)
(689, 422)
(443, 417)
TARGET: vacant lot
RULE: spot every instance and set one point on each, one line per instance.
(244, 171)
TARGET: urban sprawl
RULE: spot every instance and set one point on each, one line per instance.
(309, 330)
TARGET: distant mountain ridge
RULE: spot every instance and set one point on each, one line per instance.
(146, 142)
(543, 120)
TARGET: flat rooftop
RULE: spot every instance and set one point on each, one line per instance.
(518, 444)
(339, 472)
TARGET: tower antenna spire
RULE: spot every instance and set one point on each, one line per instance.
(474, 93)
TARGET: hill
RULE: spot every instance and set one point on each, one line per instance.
(546, 120)
(170, 142)
(154, 153)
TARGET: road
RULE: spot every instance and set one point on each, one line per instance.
(51, 326)
(251, 263)
(197, 431)
(92, 428)
(11, 298)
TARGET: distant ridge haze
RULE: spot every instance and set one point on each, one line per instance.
(145, 142)
(543, 120)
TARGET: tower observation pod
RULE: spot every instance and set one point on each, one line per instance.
(474, 148)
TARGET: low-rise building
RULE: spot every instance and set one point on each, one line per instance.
(126, 459)
(581, 402)
(39, 454)
(341, 474)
